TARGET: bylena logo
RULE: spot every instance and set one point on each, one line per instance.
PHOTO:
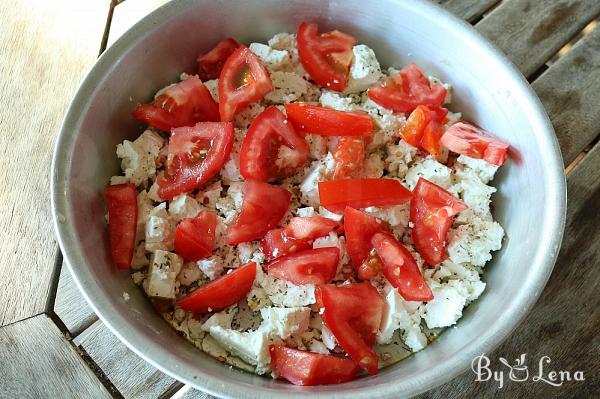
(519, 371)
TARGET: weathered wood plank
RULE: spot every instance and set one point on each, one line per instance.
(530, 32)
(468, 9)
(38, 362)
(187, 392)
(128, 372)
(564, 323)
(44, 52)
(70, 306)
(570, 92)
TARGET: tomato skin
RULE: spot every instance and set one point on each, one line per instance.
(183, 104)
(259, 151)
(336, 195)
(263, 207)
(195, 237)
(312, 266)
(467, 139)
(349, 157)
(424, 129)
(329, 122)
(187, 174)
(326, 57)
(211, 63)
(406, 90)
(222, 292)
(432, 210)
(353, 314)
(359, 227)
(122, 226)
(243, 80)
(306, 368)
(401, 269)
(298, 235)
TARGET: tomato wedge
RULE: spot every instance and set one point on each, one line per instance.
(406, 90)
(313, 266)
(263, 207)
(359, 228)
(243, 80)
(424, 129)
(467, 139)
(122, 222)
(260, 156)
(401, 269)
(348, 156)
(432, 210)
(353, 313)
(195, 238)
(196, 154)
(306, 368)
(183, 104)
(327, 56)
(222, 292)
(336, 195)
(329, 122)
(211, 63)
(298, 235)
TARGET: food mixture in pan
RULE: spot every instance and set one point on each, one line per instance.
(293, 209)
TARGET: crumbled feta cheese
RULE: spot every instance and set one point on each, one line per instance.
(162, 276)
(227, 208)
(287, 158)
(250, 252)
(153, 192)
(222, 319)
(138, 157)
(139, 259)
(327, 337)
(183, 207)
(118, 180)
(211, 267)
(383, 118)
(213, 88)
(396, 216)
(399, 158)
(396, 316)
(365, 70)
(285, 293)
(160, 230)
(287, 87)
(283, 322)
(431, 170)
(317, 145)
(251, 347)
(245, 117)
(372, 167)
(210, 195)
(332, 99)
(189, 274)
(330, 215)
(283, 41)
(231, 170)
(446, 307)
(307, 211)
(318, 171)
(475, 194)
(145, 207)
(273, 59)
(318, 347)
(483, 170)
(472, 243)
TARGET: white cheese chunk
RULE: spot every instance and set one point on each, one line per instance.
(317, 145)
(213, 88)
(446, 307)
(273, 59)
(183, 206)
(431, 170)
(485, 171)
(364, 71)
(396, 316)
(285, 293)
(222, 319)
(327, 337)
(210, 195)
(251, 347)
(287, 87)
(139, 157)
(160, 230)
(162, 275)
(330, 215)
(306, 211)
(372, 167)
(399, 158)
(118, 180)
(332, 99)
(309, 188)
(212, 267)
(283, 322)
(318, 347)
(245, 117)
(474, 242)
(189, 274)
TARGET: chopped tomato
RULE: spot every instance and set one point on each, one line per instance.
(263, 207)
(261, 155)
(122, 222)
(196, 154)
(406, 90)
(298, 235)
(211, 63)
(370, 267)
(424, 128)
(222, 292)
(329, 122)
(469, 140)
(195, 238)
(327, 56)
(307, 368)
(182, 104)
(359, 227)
(432, 210)
(349, 156)
(336, 195)
(353, 313)
(401, 269)
(312, 266)
(243, 80)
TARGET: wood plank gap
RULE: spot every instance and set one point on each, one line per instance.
(581, 156)
(58, 260)
(172, 391)
(102, 377)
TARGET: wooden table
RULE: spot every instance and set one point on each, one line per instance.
(53, 345)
